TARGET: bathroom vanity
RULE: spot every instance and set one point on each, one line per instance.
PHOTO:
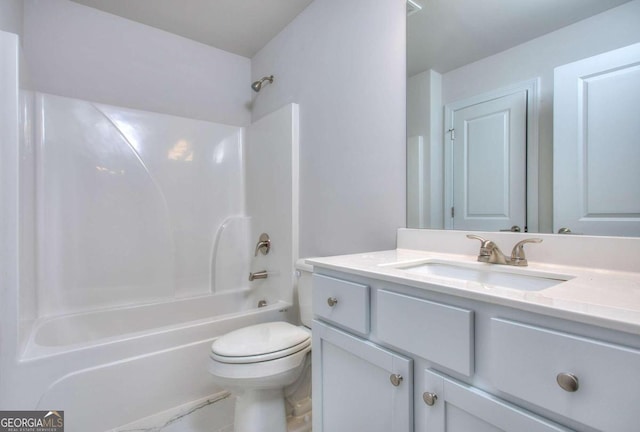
(422, 338)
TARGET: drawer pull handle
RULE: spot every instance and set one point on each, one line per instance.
(568, 382)
(332, 301)
(395, 379)
(429, 398)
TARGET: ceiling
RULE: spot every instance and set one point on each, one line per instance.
(239, 26)
(443, 36)
(447, 34)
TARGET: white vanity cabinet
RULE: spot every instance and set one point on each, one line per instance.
(466, 365)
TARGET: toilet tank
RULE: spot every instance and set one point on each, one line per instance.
(303, 272)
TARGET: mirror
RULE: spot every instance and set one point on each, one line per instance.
(470, 60)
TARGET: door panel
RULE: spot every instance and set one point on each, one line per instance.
(597, 144)
(489, 164)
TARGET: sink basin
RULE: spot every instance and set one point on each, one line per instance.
(488, 274)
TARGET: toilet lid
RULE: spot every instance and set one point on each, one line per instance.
(261, 339)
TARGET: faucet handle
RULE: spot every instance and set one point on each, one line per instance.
(475, 237)
(263, 245)
(517, 254)
(485, 251)
(485, 244)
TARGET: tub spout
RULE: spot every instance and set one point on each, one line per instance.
(258, 275)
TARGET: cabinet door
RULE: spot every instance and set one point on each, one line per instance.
(357, 385)
(458, 407)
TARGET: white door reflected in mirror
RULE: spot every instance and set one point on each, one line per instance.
(485, 179)
(597, 144)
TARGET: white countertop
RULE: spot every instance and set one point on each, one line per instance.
(600, 297)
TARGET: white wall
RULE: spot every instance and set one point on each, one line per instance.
(344, 63)
(613, 29)
(80, 52)
(418, 104)
(11, 12)
(424, 119)
(9, 214)
(11, 20)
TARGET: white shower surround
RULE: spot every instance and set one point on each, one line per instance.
(126, 256)
(128, 205)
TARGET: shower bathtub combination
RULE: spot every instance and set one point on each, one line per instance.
(128, 249)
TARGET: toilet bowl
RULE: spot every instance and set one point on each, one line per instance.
(256, 363)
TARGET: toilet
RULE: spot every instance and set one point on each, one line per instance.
(257, 362)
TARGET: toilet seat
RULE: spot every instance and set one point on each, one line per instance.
(260, 356)
(263, 357)
(260, 343)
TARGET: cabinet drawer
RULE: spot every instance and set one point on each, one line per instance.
(440, 333)
(341, 302)
(525, 361)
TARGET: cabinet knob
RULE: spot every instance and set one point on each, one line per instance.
(332, 301)
(568, 382)
(395, 379)
(429, 398)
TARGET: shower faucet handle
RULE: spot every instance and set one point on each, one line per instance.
(263, 245)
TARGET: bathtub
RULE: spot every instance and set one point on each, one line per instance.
(75, 331)
(131, 362)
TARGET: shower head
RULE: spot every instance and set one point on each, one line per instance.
(256, 86)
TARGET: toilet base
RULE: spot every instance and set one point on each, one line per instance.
(259, 410)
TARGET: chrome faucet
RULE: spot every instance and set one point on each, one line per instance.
(491, 253)
(258, 275)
